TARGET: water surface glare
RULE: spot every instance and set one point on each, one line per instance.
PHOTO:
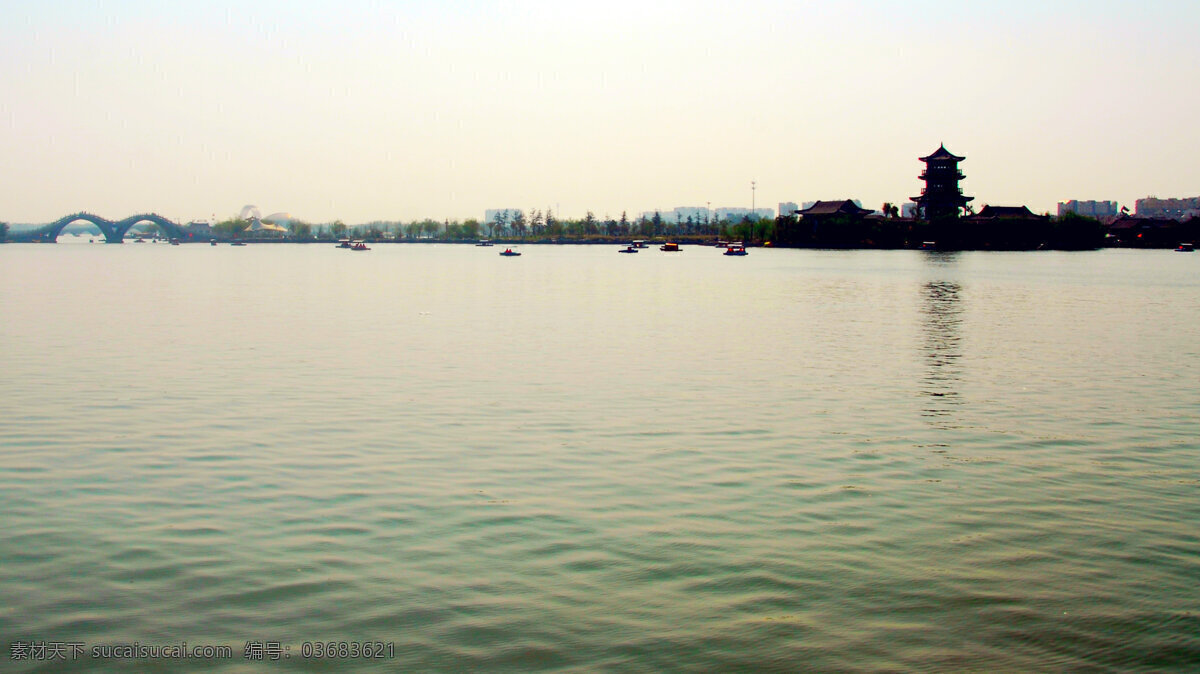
(582, 461)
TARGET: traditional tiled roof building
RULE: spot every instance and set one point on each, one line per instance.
(1010, 213)
(836, 224)
(834, 208)
(942, 196)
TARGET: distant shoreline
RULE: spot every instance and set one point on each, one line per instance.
(655, 242)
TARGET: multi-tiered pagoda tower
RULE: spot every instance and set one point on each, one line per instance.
(942, 196)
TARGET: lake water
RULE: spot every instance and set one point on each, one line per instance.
(576, 460)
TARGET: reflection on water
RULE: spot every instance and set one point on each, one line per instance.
(941, 346)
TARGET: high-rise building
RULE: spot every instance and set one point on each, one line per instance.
(737, 214)
(1175, 209)
(1091, 209)
(681, 214)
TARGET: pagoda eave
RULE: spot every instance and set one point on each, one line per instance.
(943, 154)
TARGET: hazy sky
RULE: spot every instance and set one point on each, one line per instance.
(407, 110)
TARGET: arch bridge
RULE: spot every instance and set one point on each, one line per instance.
(114, 231)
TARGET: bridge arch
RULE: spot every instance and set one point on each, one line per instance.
(169, 228)
(51, 231)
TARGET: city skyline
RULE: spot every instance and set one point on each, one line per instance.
(375, 111)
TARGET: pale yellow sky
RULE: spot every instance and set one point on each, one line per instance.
(406, 110)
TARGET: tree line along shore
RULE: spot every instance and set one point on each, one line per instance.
(1008, 231)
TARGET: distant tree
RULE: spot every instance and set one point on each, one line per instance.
(430, 227)
(656, 224)
(589, 224)
(788, 231)
(231, 227)
(499, 221)
(766, 229)
(744, 230)
(470, 229)
(300, 229)
(3, 231)
(518, 223)
(536, 222)
(553, 226)
(624, 224)
(1071, 231)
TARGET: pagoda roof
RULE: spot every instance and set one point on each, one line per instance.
(845, 207)
(942, 153)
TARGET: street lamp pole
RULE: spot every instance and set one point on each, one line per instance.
(753, 211)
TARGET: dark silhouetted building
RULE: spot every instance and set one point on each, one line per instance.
(1005, 228)
(829, 209)
(942, 196)
(836, 224)
(1140, 232)
(1010, 213)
